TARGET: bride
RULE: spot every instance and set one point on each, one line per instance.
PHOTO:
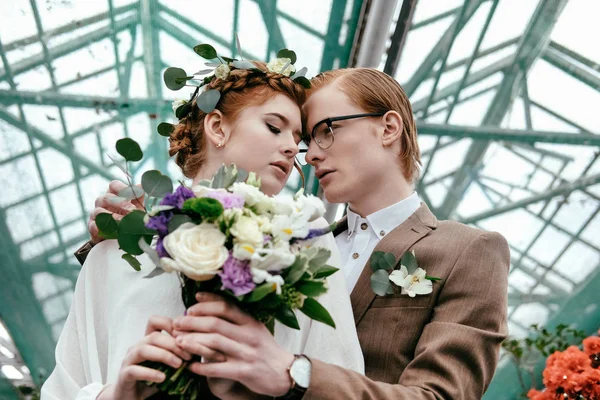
(119, 320)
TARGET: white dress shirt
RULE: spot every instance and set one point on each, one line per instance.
(358, 242)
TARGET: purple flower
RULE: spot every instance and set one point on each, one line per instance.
(178, 198)
(236, 276)
(160, 249)
(160, 223)
(228, 200)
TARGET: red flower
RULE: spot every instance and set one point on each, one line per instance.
(591, 345)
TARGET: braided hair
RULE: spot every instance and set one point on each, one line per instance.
(243, 88)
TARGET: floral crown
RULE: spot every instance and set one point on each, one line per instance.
(221, 67)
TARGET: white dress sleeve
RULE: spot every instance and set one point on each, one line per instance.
(339, 346)
(78, 373)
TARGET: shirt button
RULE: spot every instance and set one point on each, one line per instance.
(355, 256)
(364, 226)
(382, 233)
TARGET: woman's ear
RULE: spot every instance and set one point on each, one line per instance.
(393, 128)
(215, 128)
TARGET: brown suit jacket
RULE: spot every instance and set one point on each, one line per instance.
(444, 345)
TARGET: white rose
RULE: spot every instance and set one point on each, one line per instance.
(178, 103)
(222, 71)
(197, 251)
(246, 230)
(311, 207)
(277, 65)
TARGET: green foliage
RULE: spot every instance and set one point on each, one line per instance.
(380, 283)
(208, 209)
(207, 100)
(381, 260)
(156, 184)
(286, 53)
(314, 310)
(175, 78)
(129, 149)
(107, 226)
(131, 229)
(205, 51)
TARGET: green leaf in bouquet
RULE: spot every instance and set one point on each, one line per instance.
(131, 229)
(287, 317)
(175, 78)
(165, 129)
(107, 226)
(152, 254)
(206, 51)
(207, 100)
(129, 149)
(231, 174)
(218, 178)
(325, 271)
(312, 288)
(242, 175)
(131, 192)
(259, 293)
(286, 53)
(177, 221)
(208, 209)
(382, 260)
(205, 182)
(314, 310)
(155, 272)
(296, 270)
(409, 261)
(303, 81)
(116, 199)
(135, 264)
(380, 283)
(319, 259)
(156, 184)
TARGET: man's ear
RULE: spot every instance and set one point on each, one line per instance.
(215, 128)
(393, 128)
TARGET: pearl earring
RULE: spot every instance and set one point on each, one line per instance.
(220, 144)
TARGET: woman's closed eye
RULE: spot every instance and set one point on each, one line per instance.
(273, 129)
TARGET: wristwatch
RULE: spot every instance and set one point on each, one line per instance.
(82, 252)
(299, 371)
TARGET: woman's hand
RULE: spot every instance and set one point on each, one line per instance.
(155, 346)
(106, 204)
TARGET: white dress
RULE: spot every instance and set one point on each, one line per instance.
(112, 304)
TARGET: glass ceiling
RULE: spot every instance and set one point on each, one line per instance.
(505, 95)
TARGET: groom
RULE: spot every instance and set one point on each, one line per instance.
(439, 345)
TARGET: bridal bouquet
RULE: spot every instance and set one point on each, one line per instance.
(225, 236)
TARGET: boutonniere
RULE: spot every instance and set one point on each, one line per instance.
(410, 277)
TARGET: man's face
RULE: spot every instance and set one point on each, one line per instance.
(351, 168)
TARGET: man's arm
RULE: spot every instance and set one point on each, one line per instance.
(457, 353)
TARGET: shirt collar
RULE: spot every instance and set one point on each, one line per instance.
(386, 219)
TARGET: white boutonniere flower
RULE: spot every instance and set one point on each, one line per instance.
(413, 284)
(276, 66)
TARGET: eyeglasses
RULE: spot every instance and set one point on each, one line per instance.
(323, 136)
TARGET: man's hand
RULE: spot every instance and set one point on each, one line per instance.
(106, 204)
(217, 330)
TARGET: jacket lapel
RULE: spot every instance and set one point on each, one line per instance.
(398, 241)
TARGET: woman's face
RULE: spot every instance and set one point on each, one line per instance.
(264, 139)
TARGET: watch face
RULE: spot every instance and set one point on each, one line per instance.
(300, 371)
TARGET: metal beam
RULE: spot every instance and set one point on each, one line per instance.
(435, 18)
(268, 9)
(493, 133)
(69, 47)
(563, 63)
(530, 48)
(575, 56)
(562, 190)
(516, 299)
(372, 44)
(440, 48)
(331, 45)
(56, 145)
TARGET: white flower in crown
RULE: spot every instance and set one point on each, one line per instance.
(413, 284)
(276, 66)
(178, 103)
(222, 71)
(259, 276)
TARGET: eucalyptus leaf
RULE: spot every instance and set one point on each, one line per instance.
(146, 248)
(207, 100)
(131, 192)
(314, 310)
(177, 221)
(301, 80)
(131, 229)
(243, 65)
(238, 45)
(382, 260)
(287, 317)
(156, 184)
(229, 60)
(410, 262)
(212, 64)
(155, 272)
(107, 226)
(259, 293)
(116, 199)
(380, 282)
(135, 264)
(286, 53)
(165, 129)
(204, 71)
(325, 271)
(312, 288)
(175, 78)
(183, 110)
(205, 51)
(129, 149)
(122, 168)
(301, 72)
